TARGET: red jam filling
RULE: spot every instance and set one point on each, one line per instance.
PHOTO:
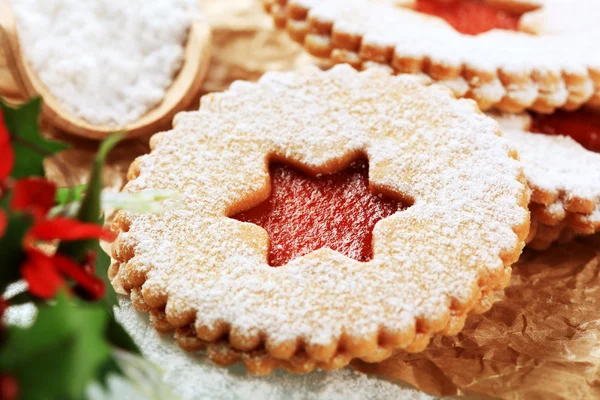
(470, 17)
(306, 213)
(582, 126)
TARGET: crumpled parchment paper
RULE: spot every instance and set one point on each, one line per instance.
(540, 341)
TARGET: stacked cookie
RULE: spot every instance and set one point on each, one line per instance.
(564, 179)
(545, 60)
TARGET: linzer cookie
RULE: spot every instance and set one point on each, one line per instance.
(325, 216)
(563, 176)
(508, 54)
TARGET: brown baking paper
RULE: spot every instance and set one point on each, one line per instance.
(540, 341)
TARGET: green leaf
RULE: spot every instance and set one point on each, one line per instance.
(11, 250)
(29, 146)
(61, 353)
(118, 337)
(68, 195)
(115, 333)
(90, 210)
(110, 367)
(102, 265)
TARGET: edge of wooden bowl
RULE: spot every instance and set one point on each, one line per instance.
(184, 88)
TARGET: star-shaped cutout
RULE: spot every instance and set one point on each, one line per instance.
(305, 213)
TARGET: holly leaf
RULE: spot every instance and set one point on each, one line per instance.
(110, 367)
(115, 333)
(29, 146)
(118, 337)
(61, 353)
(102, 265)
(90, 210)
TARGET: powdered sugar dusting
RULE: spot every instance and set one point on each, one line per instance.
(195, 378)
(559, 171)
(558, 17)
(558, 163)
(387, 25)
(441, 152)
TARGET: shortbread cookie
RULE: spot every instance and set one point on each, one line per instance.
(564, 179)
(541, 55)
(207, 275)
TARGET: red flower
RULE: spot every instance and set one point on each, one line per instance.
(61, 228)
(8, 156)
(34, 195)
(46, 275)
(41, 275)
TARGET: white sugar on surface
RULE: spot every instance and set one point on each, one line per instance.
(106, 61)
(193, 377)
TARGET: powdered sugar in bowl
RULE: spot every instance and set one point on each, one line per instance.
(103, 66)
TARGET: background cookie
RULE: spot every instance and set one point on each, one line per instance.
(550, 61)
(564, 179)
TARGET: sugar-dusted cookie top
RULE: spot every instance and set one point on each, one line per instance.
(432, 263)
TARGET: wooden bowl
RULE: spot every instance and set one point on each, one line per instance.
(183, 90)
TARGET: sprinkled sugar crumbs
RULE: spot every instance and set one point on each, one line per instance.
(106, 61)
